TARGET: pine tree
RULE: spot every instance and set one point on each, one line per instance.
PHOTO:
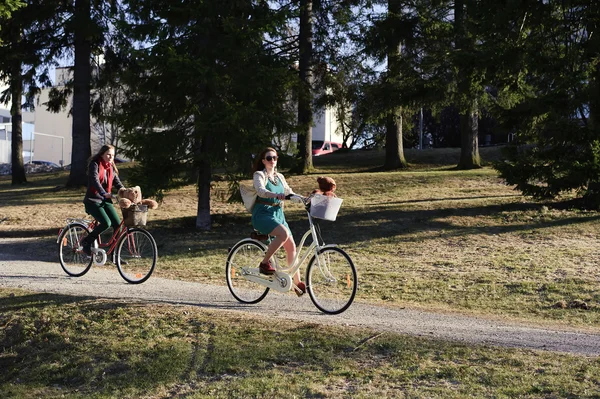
(24, 42)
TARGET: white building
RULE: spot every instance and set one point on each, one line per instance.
(6, 128)
(53, 131)
(326, 126)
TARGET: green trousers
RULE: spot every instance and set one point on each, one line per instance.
(104, 212)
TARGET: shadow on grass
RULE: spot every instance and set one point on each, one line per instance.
(29, 233)
(384, 222)
(39, 301)
(178, 236)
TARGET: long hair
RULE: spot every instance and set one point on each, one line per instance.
(102, 151)
(258, 165)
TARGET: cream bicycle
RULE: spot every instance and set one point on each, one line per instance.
(331, 280)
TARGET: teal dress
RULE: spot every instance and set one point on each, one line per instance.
(266, 217)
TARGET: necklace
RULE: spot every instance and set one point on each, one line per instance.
(274, 179)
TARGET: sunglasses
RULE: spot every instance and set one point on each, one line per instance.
(271, 158)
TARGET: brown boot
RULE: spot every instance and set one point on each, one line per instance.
(266, 268)
(301, 289)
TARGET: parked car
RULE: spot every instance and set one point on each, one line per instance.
(320, 147)
(46, 163)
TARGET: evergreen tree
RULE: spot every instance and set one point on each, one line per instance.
(83, 34)
(394, 147)
(86, 22)
(467, 79)
(24, 42)
(551, 101)
(203, 90)
(306, 89)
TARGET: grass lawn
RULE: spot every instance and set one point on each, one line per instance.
(430, 237)
(54, 346)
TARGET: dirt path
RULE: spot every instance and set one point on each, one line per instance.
(20, 268)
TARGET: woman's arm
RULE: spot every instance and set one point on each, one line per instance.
(287, 190)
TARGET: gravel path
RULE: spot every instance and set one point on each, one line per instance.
(20, 268)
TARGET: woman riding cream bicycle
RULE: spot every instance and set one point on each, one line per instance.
(103, 176)
(267, 213)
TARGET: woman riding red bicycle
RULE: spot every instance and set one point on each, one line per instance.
(103, 176)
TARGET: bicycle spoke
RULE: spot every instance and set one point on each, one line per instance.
(70, 253)
(136, 256)
(332, 280)
(244, 259)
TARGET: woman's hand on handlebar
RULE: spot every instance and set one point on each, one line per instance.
(296, 198)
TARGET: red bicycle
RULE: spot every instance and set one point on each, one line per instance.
(132, 249)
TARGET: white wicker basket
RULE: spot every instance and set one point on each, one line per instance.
(325, 207)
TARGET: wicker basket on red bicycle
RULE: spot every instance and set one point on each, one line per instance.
(135, 215)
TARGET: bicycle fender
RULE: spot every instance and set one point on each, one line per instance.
(67, 227)
(328, 246)
(247, 240)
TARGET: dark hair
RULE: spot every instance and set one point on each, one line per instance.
(102, 151)
(258, 165)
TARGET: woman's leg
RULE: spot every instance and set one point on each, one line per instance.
(99, 213)
(284, 238)
(112, 214)
(290, 250)
(281, 235)
(104, 222)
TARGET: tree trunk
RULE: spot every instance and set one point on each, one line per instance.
(591, 198)
(394, 151)
(594, 118)
(469, 119)
(394, 146)
(16, 93)
(81, 150)
(469, 139)
(203, 220)
(305, 111)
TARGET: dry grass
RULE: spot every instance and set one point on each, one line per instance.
(429, 237)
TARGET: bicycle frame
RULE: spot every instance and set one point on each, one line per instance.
(282, 279)
(107, 247)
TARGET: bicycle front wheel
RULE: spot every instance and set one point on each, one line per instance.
(136, 255)
(331, 280)
(70, 253)
(243, 260)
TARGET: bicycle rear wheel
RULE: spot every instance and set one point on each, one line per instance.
(331, 280)
(70, 253)
(136, 255)
(243, 260)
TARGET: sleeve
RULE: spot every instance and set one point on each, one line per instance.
(259, 183)
(94, 180)
(117, 181)
(287, 189)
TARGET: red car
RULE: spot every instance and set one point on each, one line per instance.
(320, 147)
